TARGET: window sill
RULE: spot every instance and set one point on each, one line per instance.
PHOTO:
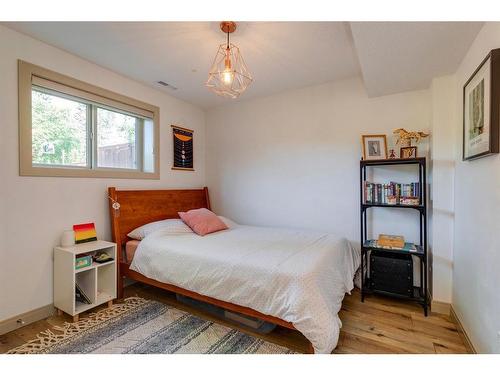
(90, 173)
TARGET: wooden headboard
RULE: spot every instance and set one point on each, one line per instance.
(139, 207)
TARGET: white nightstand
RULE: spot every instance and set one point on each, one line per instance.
(98, 280)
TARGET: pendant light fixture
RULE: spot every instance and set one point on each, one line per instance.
(229, 75)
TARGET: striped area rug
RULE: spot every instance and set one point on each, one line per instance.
(141, 326)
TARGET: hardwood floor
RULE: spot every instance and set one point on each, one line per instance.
(379, 325)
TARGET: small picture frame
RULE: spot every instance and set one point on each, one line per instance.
(374, 147)
(481, 118)
(84, 233)
(408, 152)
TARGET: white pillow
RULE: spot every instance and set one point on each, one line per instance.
(229, 223)
(171, 226)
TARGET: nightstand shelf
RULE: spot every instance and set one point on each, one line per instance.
(364, 206)
(416, 297)
(93, 265)
(98, 280)
(419, 250)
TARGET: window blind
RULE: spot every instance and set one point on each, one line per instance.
(90, 96)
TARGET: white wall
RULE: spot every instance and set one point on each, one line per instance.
(292, 159)
(35, 210)
(442, 183)
(476, 273)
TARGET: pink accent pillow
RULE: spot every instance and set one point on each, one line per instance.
(202, 221)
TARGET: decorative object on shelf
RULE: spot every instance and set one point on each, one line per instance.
(102, 257)
(228, 76)
(82, 261)
(409, 201)
(183, 148)
(392, 199)
(405, 137)
(85, 232)
(409, 152)
(392, 154)
(391, 240)
(374, 147)
(481, 98)
(68, 238)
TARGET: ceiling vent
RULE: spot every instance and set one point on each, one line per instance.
(167, 85)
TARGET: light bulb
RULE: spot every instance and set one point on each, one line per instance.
(227, 76)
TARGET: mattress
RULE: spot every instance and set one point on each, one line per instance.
(298, 276)
(130, 248)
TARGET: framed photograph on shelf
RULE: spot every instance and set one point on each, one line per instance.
(374, 147)
(481, 100)
(408, 152)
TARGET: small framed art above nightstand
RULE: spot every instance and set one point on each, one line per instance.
(82, 281)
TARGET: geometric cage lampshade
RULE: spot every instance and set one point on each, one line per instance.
(229, 75)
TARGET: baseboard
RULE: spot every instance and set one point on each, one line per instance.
(11, 324)
(440, 307)
(462, 332)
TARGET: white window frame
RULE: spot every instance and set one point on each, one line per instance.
(38, 78)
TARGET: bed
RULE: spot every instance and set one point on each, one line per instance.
(292, 278)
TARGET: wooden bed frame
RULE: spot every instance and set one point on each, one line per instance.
(139, 207)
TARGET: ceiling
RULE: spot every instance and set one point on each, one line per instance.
(402, 56)
(391, 56)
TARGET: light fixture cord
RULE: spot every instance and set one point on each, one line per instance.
(227, 45)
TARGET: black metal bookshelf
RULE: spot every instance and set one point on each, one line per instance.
(420, 293)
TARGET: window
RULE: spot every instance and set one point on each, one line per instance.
(58, 130)
(70, 128)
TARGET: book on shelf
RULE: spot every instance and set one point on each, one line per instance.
(80, 295)
(82, 261)
(392, 193)
(102, 257)
(408, 246)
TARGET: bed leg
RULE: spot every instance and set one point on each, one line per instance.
(119, 287)
(310, 349)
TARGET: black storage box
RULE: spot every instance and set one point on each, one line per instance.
(392, 273)
(249, 322)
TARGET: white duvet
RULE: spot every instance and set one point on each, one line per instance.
(298, 276)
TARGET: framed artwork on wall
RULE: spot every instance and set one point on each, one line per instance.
(183, 149)
(481, 106)
(374, 147)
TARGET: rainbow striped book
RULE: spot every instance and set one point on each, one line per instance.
(85, 232)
